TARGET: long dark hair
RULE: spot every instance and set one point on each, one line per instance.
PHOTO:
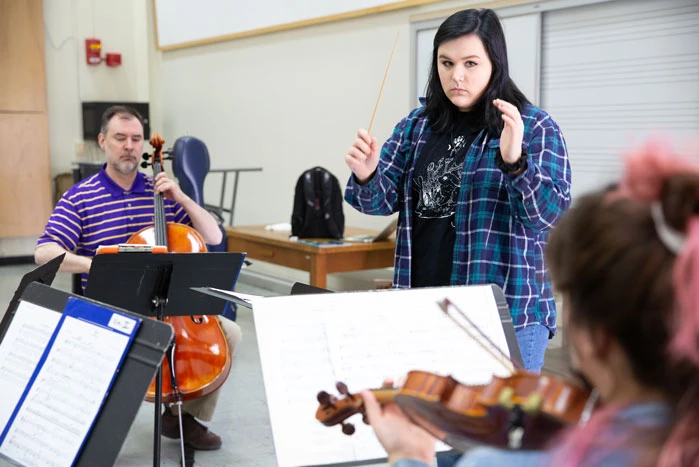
(486, 25)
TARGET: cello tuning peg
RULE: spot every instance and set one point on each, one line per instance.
(144, 164)
(347, 428)
(145, 156)
(342, 389)
(324, 399)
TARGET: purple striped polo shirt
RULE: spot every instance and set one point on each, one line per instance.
(97, 211)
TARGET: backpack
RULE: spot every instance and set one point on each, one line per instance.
(317, 206)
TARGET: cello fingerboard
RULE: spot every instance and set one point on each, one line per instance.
(159, 214)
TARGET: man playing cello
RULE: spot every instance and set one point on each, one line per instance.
(107, 209)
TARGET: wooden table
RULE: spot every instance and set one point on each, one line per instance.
(275, 247)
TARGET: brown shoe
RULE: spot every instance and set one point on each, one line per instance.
(196, 435)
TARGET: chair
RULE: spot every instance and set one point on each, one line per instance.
(190, 163)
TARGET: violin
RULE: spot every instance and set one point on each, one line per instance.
(521, 411)
(201, 356)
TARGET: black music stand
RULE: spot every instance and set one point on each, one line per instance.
(43, 274)
(116, 415)
(159, 285)
(299, 288)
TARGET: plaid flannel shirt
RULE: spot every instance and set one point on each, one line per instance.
(501, 221)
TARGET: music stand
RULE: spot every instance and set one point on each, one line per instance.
(112, 424)
(159, 285)
(299, 288)
(44, 274)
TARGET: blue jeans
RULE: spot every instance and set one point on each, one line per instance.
(532, 342)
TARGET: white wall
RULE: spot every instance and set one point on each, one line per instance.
(286, 102)
(122, 28)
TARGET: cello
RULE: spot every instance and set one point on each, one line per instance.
(199, 361)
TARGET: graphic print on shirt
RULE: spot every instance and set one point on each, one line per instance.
(439, 187)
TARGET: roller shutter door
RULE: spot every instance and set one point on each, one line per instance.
(614, 73)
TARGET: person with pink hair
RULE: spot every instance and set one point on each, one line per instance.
(626, 260)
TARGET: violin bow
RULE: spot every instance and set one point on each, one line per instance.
(495, 351)
(388, 66)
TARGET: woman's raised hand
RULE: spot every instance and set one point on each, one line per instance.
(363, 156)
(512, 132)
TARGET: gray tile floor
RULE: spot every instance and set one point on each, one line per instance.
(241, 418)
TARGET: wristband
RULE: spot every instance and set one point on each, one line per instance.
(511, 168)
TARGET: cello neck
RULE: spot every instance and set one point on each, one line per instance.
(159, 212)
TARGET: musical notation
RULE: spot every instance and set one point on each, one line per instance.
(21, 350)
(66, 378)
(312, 341)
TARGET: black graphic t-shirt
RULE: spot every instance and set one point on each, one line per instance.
(436, 186)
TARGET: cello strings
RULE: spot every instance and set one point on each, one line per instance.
(494, 350)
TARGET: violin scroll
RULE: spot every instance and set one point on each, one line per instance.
(333, 410)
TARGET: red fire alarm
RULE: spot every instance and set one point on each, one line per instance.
(93, 51)
(113, 59)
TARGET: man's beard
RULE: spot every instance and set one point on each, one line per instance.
(126, 167)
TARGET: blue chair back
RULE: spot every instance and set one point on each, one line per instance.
(190, 163)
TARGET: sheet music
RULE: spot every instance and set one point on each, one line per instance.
(20, 351)
(309, 342)
(67, 390)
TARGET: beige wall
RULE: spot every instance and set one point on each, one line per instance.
(122, 28)
(285, 102)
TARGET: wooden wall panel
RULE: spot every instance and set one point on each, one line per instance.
(25, 181)
(23, 76)
(25, 178)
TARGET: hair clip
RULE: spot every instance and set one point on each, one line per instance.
(671, 238)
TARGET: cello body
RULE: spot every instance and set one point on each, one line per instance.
(201, 353)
